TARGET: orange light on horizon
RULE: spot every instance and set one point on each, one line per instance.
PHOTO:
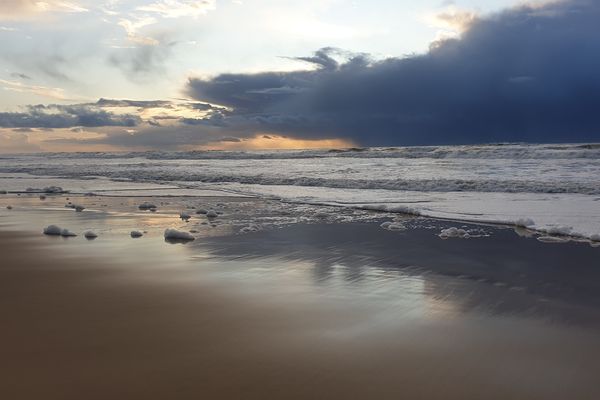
(274, 142)
(69, 140)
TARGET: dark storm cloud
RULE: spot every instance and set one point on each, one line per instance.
(61, 116)
(526, 74)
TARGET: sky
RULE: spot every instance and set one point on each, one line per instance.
(119, 75)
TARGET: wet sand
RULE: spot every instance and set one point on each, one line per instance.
(302, 312)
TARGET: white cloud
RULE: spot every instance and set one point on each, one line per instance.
(19, 9)
(132, 28)
(180, 8)
(53, 93)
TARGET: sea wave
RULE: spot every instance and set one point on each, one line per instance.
(185, 178)
(488, 151)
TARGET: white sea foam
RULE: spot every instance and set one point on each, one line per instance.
(552, 239)
(90, 235)
(67, 233)
(524, 222)
(454, 232)
(53, 230)
(393, 226)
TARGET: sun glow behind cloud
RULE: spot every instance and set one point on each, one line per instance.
(276, 142)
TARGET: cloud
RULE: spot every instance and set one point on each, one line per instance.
(20, 75)
(53, 93)
(181, 8)
(61, 116)
(167, 124)
(25, 9)
(132, 28)
(133, 103)
(144, 60)
(528, 73)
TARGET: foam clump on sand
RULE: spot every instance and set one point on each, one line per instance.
(67, 233)
(147, 206)
(174, 234)
(90, 235)
(524, 222)
(53, 230)
(136, 234)
(454, 233)
(393, 226)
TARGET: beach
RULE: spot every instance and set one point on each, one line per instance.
(239, 200)
(322, 306)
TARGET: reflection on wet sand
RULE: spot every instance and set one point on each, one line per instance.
(503, 274)
(298, 312)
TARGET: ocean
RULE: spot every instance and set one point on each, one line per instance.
(552, 188)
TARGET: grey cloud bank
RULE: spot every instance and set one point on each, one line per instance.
(526, 74)
(61, 116)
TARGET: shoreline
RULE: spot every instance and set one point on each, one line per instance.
(557, 236)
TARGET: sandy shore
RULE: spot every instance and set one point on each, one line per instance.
(337, 317)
